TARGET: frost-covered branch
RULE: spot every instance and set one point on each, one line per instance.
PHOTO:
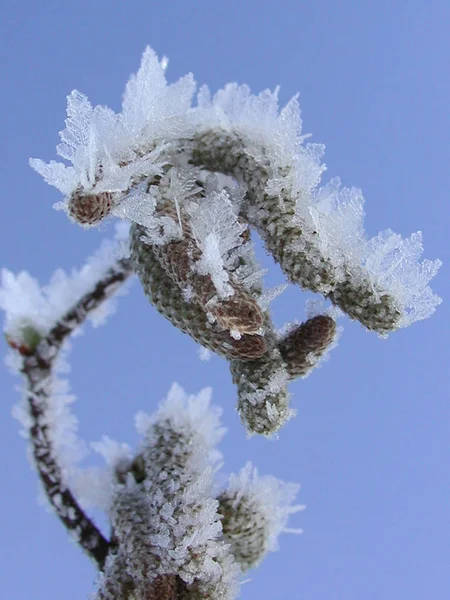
(37, 372)
(315, 232)
(37, 360)
(101, 292)
(193, 180)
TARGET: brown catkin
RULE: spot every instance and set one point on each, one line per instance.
(89, 209)
(190, 317)
(303, 346)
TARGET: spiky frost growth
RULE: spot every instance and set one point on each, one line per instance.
(112, 152)
(314, 232)
(255, 511)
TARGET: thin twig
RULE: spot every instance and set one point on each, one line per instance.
(37, 369)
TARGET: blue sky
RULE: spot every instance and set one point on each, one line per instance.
(370, 443)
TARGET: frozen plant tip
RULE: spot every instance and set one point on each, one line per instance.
(89, 209)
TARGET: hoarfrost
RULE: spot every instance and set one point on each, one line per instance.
(271, 499)
(157, 130)
(26, 303)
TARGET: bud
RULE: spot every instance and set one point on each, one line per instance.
(303, 346)
(26, 340)
(89, 209)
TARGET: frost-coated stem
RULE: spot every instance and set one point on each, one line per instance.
(37, 368)
(103, 289)
(37, 372)
(286, 239)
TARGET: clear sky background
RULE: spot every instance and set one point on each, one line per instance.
(370, 444)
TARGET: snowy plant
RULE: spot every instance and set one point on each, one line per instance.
(192, 177)
(189, 180)
(174, 533)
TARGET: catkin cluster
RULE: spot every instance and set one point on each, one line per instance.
(235, 327)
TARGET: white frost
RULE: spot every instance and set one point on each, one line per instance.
(156, 127)
(25, 302)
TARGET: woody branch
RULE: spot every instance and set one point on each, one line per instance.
(37, 369)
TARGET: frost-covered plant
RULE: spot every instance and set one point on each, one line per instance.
(192, 178)
(175, 535)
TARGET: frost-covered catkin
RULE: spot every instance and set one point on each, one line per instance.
(263, 397)
(190, 317)
(238, 311)
(292, 243)
(185, 529)
(254, 512)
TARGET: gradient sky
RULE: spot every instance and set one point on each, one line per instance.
(370, 444)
